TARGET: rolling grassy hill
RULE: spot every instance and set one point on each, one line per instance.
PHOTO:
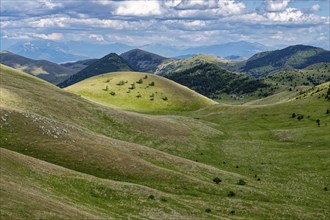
(63, 157)
(141, 92)
(51, 72)
(184, 64)
(143, 61)
(292, 57)
(310, 76)
(215, 82)
(109, 63)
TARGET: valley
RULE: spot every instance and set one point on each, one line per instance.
(78, 153)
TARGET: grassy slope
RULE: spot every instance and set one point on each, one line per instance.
(311, 75)
(179, 98)
(289, 157)
(181, 65)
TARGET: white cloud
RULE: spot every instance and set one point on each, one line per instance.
(230, 7)
(53, 36)
(315, 8)
(197, 4)
(96, 37)
(139, 8)
(276, 5)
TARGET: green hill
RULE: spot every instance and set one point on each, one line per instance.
(143, 61)
(64, 157)
(183, 64)
(310, 76)
(213, 81)
(138, 91)
(109, 63)
(293, 57)
(51, 72)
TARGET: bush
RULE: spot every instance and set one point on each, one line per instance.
(293, 115)
(132, 86)
(217, 180)
(145, 77)
(208, 210)
(163, 199)
(232, 212)
(139, 95)
(112, 93)
(152, 84)
(241, 182)
(300, 117)
(231, 194)
(151, 197)
(318, 122)
(327, 112)
(140, 81)
(165, 98)
(121, 82)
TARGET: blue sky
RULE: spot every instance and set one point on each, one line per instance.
(172, 22)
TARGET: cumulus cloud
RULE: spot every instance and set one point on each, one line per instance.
(315, 8)
(176, 21)
(138, 8)
(197, 4)
(276, 5)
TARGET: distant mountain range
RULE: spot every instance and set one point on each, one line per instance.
(61, 52)
(46, 70)
(45, 50)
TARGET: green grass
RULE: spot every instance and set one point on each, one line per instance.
(113, 90)
(63, 156)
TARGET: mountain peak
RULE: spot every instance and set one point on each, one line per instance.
(109, 63)
(143, 60)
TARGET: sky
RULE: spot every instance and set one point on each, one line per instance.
(171, 22)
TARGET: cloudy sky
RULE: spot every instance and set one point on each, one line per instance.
(171, 22)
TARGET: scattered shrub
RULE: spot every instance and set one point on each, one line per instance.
(145, 77)
(121, 82)
(325, 188)
(258, 179)
(208, 210)
(232, 212)
(300, 117)
(139, 95)
(152, 84)
(151, 197)
(140, 81)
(165, 98)
(152, 99)
(318, 122)
(241, 182)
(231, 194)
(112, 93)
(236, 166)
(106, 88)
(217, 180)
(108, 80)
(163, 199)
(327, 112)
(293, 115)
(132, 86)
